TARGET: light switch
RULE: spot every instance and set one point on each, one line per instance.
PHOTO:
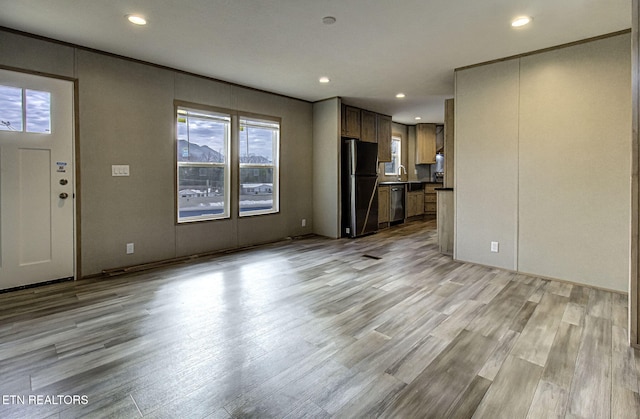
(120, 170)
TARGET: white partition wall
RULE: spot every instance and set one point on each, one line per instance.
(542, 163)
(574, 167)
(486, 150)
(326, 168)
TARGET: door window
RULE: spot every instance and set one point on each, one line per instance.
(25, 110)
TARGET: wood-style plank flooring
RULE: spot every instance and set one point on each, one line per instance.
(381, 326)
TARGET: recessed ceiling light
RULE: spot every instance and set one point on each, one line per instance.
(400, 95)
(137, 19)
(324, 80)
(521, 21)
(328, 20)
(418, 118)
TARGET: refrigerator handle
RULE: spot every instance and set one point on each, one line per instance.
(352, 154)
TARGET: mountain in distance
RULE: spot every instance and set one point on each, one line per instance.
(197, 152)
(203, 153)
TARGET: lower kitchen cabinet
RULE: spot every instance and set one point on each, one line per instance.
(415, 203)
(383, 204)
(431, 198)
(445, 221)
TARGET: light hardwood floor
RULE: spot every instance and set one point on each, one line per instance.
(381, 326)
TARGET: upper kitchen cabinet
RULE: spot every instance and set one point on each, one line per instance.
(350, 122)
(368, 126)
(384, 137)
(425, 143)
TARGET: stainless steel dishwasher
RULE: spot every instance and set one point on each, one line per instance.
(396, 211)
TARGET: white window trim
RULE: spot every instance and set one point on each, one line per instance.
(399, 140)
(226, 213)
(275, 166)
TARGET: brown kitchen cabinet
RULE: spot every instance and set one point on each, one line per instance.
(431, 198)
(383, 204)
(350, 119)
(415, 204)
(445, 221)
(384, 137)
(368, 126)
(425, 143)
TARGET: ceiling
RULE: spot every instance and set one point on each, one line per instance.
(374, 50)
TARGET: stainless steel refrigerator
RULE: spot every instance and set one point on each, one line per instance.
(359, 188)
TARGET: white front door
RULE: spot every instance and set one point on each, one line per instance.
(36, 179)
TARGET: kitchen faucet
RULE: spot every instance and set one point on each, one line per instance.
(400, 169)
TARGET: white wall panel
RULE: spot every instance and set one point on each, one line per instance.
(542, 163)
(486, 166)
(326, 168)
(575, 142)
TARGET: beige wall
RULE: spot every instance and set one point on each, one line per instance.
(28, 53)
(486, 166)
(326, 167)
(126, 116)
(542, 163)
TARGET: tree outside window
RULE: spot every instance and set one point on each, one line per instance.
(391, 168)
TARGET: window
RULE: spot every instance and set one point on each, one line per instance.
(203, 139)
(25, 110)
(259, 144)
(393, 166)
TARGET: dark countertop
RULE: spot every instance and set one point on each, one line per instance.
(394, 182)
(411, 185)
(444, 189)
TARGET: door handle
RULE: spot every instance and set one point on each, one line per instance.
(64, 195)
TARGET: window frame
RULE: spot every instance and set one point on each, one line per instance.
(398, 138)
(275, 165)
(26, 112)
(226, 165)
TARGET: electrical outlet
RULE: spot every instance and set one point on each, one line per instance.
(495, 247)
(129, 248)
(304, 222)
